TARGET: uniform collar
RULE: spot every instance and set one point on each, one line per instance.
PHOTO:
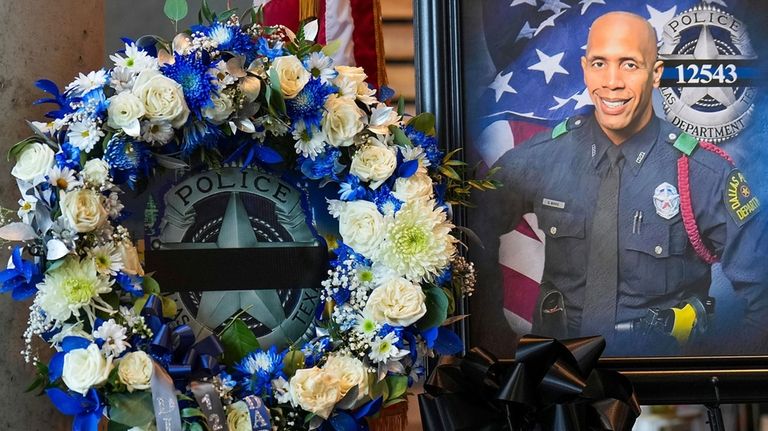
(635, 149)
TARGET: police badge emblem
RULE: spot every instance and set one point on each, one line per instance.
(708, 61)
(666, 200)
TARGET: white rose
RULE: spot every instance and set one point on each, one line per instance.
(135, 370)
(315, 390)
(238, 417)
(124, 112)
(85, 368)
(417, 186)
(361, 226)
(374, 163)
(163, 98)
(348, 80)
(342, 120)
(83, 209)
(350, 372)
(221, 109)
(33, 162)
(397, 302)
(130, 257)
(95, 171)
(292, 75)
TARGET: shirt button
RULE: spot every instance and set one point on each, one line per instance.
(577, 122)
(658, 249)
(672, 136)
(553, 230)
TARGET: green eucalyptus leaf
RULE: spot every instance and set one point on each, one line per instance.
(131, 408)
(238, 340)
(437, 308)
(176, 10)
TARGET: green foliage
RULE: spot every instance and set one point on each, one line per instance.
(133, 409)
(238, 340)
(461, 183)
(437, 308)
(399, 137)
(293, 361)
(397, 386)
(424, 123)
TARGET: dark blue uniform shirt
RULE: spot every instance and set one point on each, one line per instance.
(558, 179)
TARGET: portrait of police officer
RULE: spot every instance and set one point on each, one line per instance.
(636, 215)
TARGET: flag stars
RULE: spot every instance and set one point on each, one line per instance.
(517, 2)
(549, 65)
(500, 85)
(549, 22)
(582, 99)
(585, 4)
(554, 5)
(560, 102)
(526, 32)
(659, 19)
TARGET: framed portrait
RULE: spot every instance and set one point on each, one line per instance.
(501, 74)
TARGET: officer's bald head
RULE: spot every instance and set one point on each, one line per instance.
(620, 71)
(612, 23)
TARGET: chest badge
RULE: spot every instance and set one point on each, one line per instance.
(666, 200)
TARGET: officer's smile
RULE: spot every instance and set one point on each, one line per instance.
(614, 106)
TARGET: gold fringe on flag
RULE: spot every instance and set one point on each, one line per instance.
(308, 10)
(392, 418)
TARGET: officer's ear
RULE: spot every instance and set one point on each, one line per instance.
(658, 68)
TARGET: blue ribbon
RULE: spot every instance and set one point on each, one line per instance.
(259, 413)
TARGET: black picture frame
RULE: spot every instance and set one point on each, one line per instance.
(707, 380)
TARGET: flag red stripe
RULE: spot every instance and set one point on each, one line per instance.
(520, 293)
(364, 38)
(525, 228)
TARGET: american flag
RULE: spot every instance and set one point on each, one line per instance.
(538, 82)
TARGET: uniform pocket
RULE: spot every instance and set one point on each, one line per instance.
(654, 259)
(566, 251)
(561, 224)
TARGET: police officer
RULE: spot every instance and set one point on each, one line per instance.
(671, 218)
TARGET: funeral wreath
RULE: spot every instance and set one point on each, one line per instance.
(231, 91)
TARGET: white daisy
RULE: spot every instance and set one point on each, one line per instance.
(27, 207)
(108, 259)
(84, 135)
(114, 337)
(309, 145)
(321, 66)
(383, 349)
(85, 83)
(63, 178)
(135, 60)
(159, 132)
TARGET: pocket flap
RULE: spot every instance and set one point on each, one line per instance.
(652, 240)
(560, 224)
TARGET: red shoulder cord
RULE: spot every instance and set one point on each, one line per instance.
(689, 221)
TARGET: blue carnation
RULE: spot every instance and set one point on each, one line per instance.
(264, 50)
(341, 296)
(129, 160)
(385, 201)
(68, 157)
(22, 278)
(130, 283)
(445, 277)
(191, 71)
(352, 189)
(426, 142)
(94, 104)
(308, 106)
(315, 350)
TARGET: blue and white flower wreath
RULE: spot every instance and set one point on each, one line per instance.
(231, 92)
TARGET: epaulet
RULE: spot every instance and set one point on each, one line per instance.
(683, 142)
(566, 126)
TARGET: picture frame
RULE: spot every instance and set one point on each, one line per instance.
(444, 35)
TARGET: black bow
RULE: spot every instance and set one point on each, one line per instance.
(550, 385)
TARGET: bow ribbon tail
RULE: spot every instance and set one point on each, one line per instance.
(210, 405)
(167, 415)
(260, 420)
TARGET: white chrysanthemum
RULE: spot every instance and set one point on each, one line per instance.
(63, 178)
(85, 83)
(73, 286)
(108, 259)
(383, 349)
(309, 145)
(84, 135)
(414, 153)
(27, 207)
(122, 79)
(321, 66)
(135, 59)
(114, 337)
(417, 243)
(156, 132)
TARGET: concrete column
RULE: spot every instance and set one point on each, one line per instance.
(39, 39)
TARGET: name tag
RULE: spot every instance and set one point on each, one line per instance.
(553, 203)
